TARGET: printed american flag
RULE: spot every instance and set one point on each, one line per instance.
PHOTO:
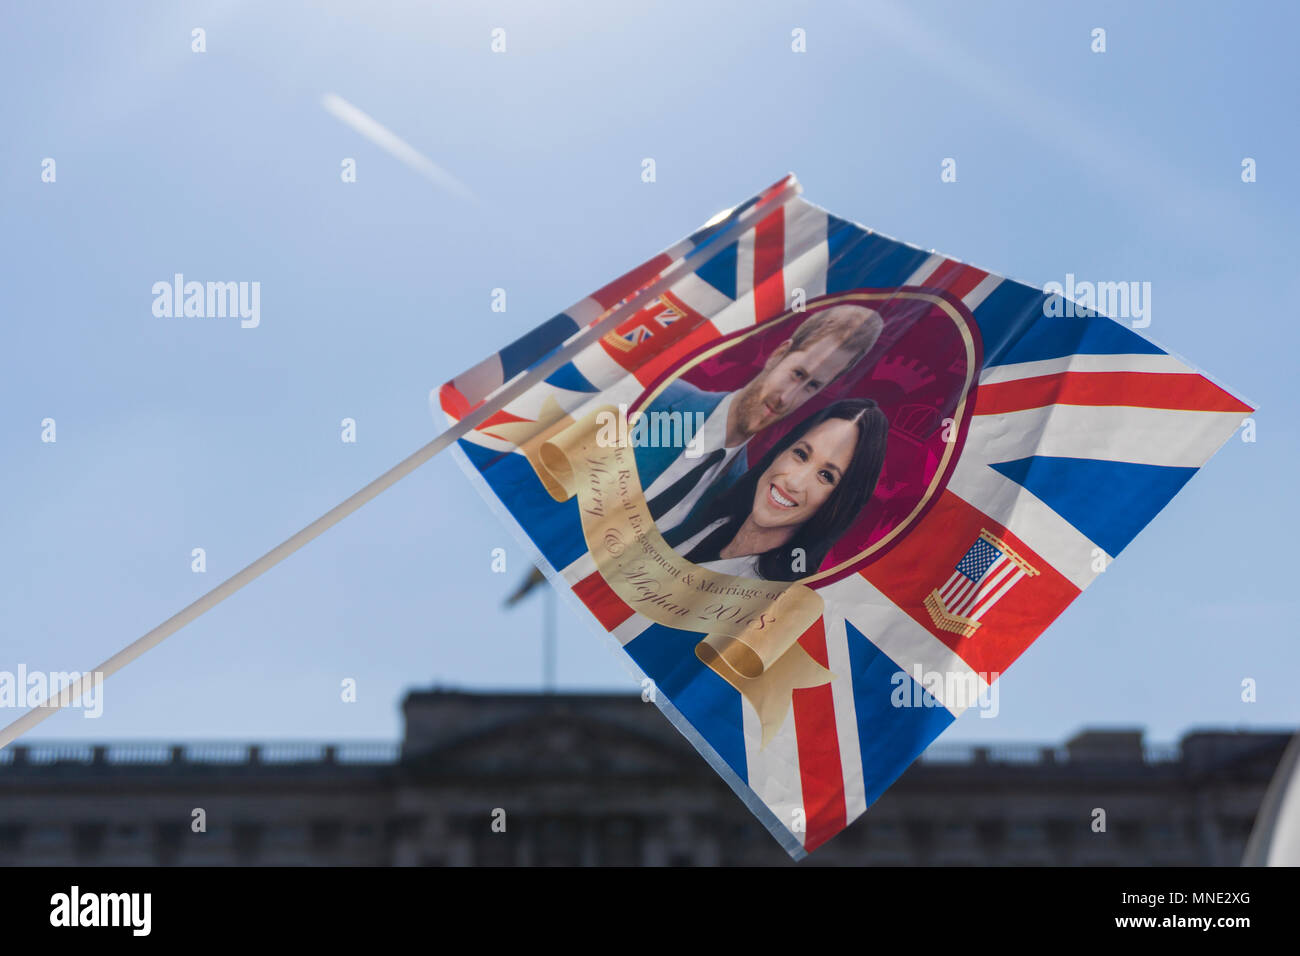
(984, 574)
(975, 577)
(1064, 406)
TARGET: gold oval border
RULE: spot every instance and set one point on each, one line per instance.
(826, 302)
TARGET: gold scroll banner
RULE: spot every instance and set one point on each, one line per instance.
(753, 626)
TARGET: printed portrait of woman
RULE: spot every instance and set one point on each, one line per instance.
(788, 510)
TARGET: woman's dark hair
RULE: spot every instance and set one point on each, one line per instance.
(819, 533)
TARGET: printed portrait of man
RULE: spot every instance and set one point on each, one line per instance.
(681, 480)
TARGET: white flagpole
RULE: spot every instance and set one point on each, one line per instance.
(494, 402)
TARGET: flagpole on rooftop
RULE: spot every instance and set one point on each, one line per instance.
(526, 587)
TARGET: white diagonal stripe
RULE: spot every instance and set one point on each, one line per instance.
(773, 771)
(846, 716)
(1058, 542)
(1160, 364)
(925, 269)
(898, 636)
(1148, 436)
(976, 296)
(806, 251)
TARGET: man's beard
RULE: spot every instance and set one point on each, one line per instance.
(751, 415)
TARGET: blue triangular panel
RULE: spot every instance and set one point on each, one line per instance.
(720, 271)
(1109, 501)
(568, 376)
(1059, 336)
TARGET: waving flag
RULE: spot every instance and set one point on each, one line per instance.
(823, 487)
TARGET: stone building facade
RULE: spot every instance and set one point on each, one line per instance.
(582, 779)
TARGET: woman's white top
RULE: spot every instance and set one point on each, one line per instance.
(745, 566)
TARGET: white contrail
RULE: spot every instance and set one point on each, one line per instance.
(394, 145)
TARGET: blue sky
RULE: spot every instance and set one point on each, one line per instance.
(183, 433)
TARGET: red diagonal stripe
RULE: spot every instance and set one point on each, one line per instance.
(769, 265)
(1189, 392)
(453, 402)
(955, 278)
(820, 772)
(600, 599)
(626, 284)
(776, 187)
(501, 417)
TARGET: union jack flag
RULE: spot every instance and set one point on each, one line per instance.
(1057, 408)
